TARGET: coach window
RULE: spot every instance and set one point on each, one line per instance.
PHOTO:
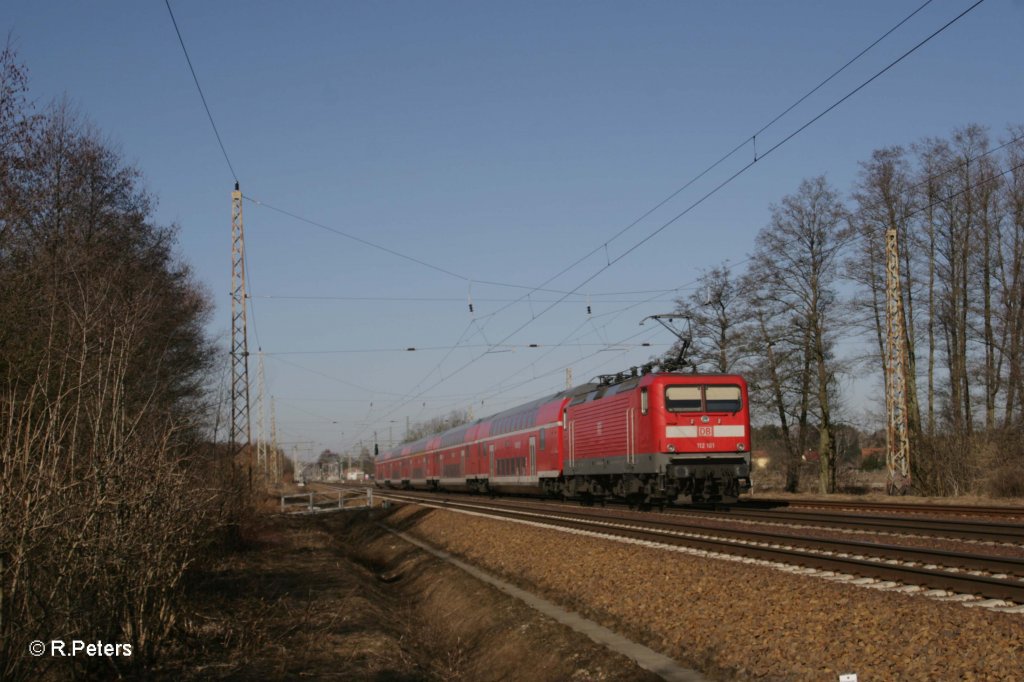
(723, 398)
(682, 398)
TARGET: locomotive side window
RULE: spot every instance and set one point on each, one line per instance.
(643, 400)
(723, 398)
(682, 398)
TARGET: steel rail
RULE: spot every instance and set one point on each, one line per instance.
(948, 528)
(737, 542)
(935, 509)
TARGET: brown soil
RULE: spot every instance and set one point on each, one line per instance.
(333, 596)
(737, 621)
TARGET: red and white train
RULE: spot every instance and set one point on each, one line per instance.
(650, 439)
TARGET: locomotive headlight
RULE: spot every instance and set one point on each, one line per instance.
(740, 447)
(671, 447)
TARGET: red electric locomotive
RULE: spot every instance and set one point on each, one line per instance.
(646, 437)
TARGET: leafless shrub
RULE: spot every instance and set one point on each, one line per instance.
(107, 496)
(1004, 465)
(104, 513)
(947, 465)
(1008, 481)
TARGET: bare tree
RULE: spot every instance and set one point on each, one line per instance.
(107, 498)
(715, 310)
(884, 199)
(1010, 275)
(797, 262)
(437, 425)
(778, 372)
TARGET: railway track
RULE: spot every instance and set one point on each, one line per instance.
(944, 510)
(956, 529)
(989, 577)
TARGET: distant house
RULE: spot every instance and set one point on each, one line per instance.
(760, 459)
(811, 456)
(865, 453)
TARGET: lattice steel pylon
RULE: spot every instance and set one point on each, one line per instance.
(261, 422)
(240, 435)
(273, 445)
(897, 457)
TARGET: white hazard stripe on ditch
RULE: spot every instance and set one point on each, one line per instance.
(646, 658)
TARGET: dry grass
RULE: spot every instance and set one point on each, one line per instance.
(291, 602)
(335, 597)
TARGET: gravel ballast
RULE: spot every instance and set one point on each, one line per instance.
(734, 620)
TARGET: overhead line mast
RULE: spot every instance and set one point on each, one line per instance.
(240, 436)
(897, 456)
(261, 430)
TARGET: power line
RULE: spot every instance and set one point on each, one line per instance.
(686, 287)
(747, 140)
(948, 197)
(697, 177)
(604, 245)
(786, 139)
(200, 89)
(948, 169)
(390, 251)
(418, 349)
(440, 299)
(714, 191)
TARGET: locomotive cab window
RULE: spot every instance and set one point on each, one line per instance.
(682, 398)
(723, 398)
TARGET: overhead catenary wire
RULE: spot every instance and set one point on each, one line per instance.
(501, 387)
(220, 142)
(747, 140)
(605, 243)
(437, 299)
(685, 287)
(939, 200)
(789, 137)
(388, 250)
(717, 163)
(716, 189)
(609, 260)
(206, 106)
(418, 349)
(749, 165)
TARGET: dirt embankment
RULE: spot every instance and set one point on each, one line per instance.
(335, 597)
(738, 621)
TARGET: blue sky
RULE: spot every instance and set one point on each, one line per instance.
(499, 142)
